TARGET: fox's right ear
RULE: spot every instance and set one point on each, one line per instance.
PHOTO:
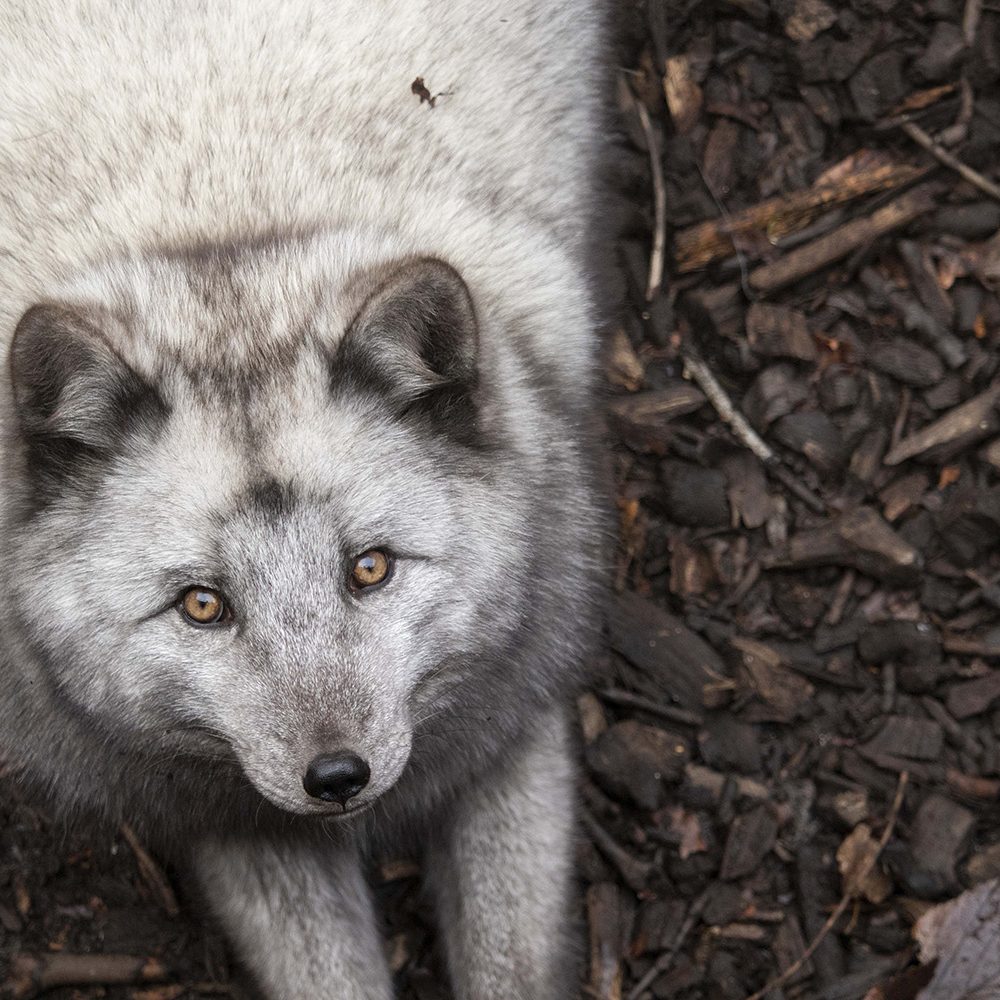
(74, 394)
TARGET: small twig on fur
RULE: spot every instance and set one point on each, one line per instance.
(659, 204)
(919, 136)
(745, 434)
(846, 899)
(663, 963)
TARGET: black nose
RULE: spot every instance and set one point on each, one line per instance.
(336, 777)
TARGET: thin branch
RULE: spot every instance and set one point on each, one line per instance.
(841, 596)
(745, 434)
(636, 873)
(33, 974)
(725, 408)
(659, 204)
(627, 699)
(663, 963)
(838, 911)
(151, 873)
(919, 136)
(970, 21)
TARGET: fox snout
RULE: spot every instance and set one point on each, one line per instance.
(333, 773)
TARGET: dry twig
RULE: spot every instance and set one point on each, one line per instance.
(34, 974)
(663, 963)
(636, 873)
(627, 699)
(845, 901)
(778, 218)
(841, 596)
(746, 435)
(970, 21)
(659, 204)
(151, 873)
(821, 252)
(962, 646)
(919, 136)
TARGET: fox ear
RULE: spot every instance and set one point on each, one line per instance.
(415, 341)
(74, 394)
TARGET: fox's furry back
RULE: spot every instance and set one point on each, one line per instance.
(130, 126)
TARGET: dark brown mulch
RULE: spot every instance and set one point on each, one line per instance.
(789, 636)
(805, 616)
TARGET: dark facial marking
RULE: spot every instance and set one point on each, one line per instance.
(268, 498)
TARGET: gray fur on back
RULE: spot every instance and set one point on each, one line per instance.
(229, 206)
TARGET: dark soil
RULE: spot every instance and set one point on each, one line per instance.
(789, 638)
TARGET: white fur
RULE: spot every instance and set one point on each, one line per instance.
(133, 126)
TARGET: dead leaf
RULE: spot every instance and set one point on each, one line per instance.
(782, 691)
(687, 826)
(950, 268)
(809, 18)
(904, 986)
(963, 937)
(949, 474)
(857, 860)
(684, 97)
(398, 952)
(606, 909)
(632, 533)
(921, 99)
(625, 370)
(593, 721)
(22, 898)
(691, 570)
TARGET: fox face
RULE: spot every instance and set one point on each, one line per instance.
(269, 513)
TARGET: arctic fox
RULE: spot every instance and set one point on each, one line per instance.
(299, 528)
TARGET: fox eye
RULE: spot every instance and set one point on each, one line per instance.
(370, 569)
(201, 606)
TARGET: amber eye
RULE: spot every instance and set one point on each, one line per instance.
(201, 606)
(370, 569)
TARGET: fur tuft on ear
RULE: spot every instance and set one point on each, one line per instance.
(415, 341)
(73, 393)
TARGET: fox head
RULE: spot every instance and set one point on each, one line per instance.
(269, 508)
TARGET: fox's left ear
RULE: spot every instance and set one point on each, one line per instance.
(415, 341)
